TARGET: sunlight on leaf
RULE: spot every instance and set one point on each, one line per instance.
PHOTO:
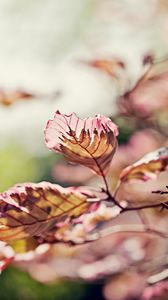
(139, 180)
(31, 210)
(148, 166)
(91, 142)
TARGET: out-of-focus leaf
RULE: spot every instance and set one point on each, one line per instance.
(110, 67)
(71, 173)
(31, 210)
(10, 97)
(6, 255)
(148, 166)
(161, 120)
(82, 232)
(139, 180)
(24, 245)
(158, 291)
(110, 255)
(91, 142)
(150, 94)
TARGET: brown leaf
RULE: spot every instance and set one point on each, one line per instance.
(91, 142)
(31, 210)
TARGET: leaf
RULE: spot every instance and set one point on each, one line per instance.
(89, 223)
(139, 180)
(157, 291)
(6, 255)
(31, 210)
(107, 256)
(10, 97)
(148, 166)
(24, 245)
(110, 67)
(91, 142)
(142, 100)
(71, 173)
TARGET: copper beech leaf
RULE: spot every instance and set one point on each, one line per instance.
(32, 210)
(139, 180)
(142, 100)
(91, 142)
(145, 168)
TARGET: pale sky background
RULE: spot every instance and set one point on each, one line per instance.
(42, 43)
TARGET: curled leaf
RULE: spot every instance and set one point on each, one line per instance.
(91, 142)
(148, 166)
(139, 180)
(32, 210)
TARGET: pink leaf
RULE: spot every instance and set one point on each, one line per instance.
(139, 180)
(91, 142)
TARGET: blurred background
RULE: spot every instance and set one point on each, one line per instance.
(87, 56)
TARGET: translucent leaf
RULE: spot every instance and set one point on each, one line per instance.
(139, 180)
(91, 142)
(31, 210)
(148, 166)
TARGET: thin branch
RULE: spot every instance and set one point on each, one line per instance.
(160, 192)
(135, 208)
(143, 207)
(113, 199)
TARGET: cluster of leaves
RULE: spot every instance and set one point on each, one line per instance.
(34, 217)
(123, 232)
(141, 116)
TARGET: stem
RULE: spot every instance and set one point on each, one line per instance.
(125, 209)
(143, 207)
(105, 182)
(111, 198)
